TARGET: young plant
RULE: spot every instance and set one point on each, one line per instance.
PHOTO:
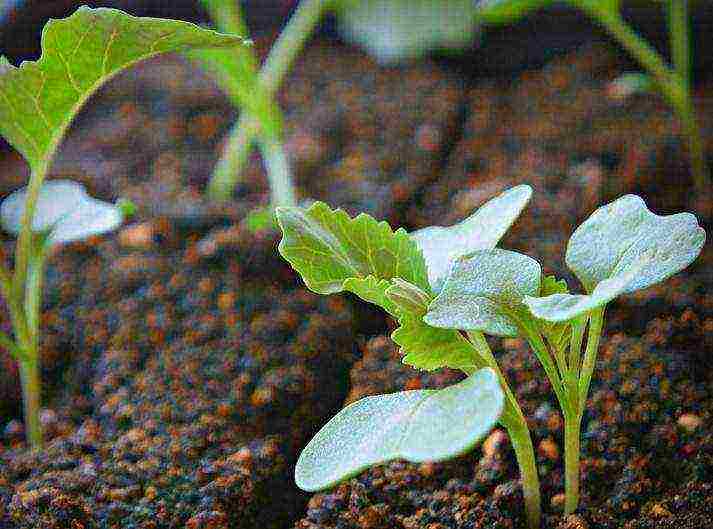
(237, 74)
(621, 248)
(402, 274)
(38, 101)
(262, 120)
(673, 81)
(389, 29)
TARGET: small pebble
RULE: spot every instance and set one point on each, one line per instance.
(557, 502)
(491, 446)
(690, 422)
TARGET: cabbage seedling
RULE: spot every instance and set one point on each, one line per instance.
(38, 101)
(621, 248)
(402, 274)
(673, 81)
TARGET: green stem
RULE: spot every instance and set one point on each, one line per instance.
(227, 15)
(680, 39)
(23, 249)
(30, 380)
(534, 338)
(278, 173)
(572, 427)
(229, 169)
(33, 291)
(672, 85)
(514, 421)
(575, 347)
(596, 323)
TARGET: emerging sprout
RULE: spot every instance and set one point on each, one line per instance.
(621, 248)
(38, 102)
(443, 284)
(401, 273)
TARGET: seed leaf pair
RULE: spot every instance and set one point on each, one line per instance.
(423, 425)
(64, 212)
(622, 247)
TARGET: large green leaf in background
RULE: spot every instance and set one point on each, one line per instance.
(38, 100)
(424, 425)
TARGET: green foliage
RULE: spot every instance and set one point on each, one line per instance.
(394, 30)
(622, 247)
(424, 425)
(484, 291)
(482, 230)
(328, 248)
(507, 11)
(39, 99)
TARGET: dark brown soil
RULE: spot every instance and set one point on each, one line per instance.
(185, 366)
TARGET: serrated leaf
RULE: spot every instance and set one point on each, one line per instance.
(334, 252)
(442, 246)
(483, 291)
(64, 211)
(622, 247)
(38, 100)
(507, 11)
(430, 348)
(372, 290)
(418, 426)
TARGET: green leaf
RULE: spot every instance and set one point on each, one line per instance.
(429, 348)
(395, 30)
(622, 247)
(39, 99)
(408, 298)
(418, 426)
(507, 11)
(422, 346)
(64, 211)
(483, 291)
(483, 230)
(334, 252)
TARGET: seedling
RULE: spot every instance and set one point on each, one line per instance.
(402, 274)
(237, 74)
(390, 29)
(262, 119)
(38, 101)
(621, 248)
(673, 81)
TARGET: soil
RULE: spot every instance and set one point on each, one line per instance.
(185, 365)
